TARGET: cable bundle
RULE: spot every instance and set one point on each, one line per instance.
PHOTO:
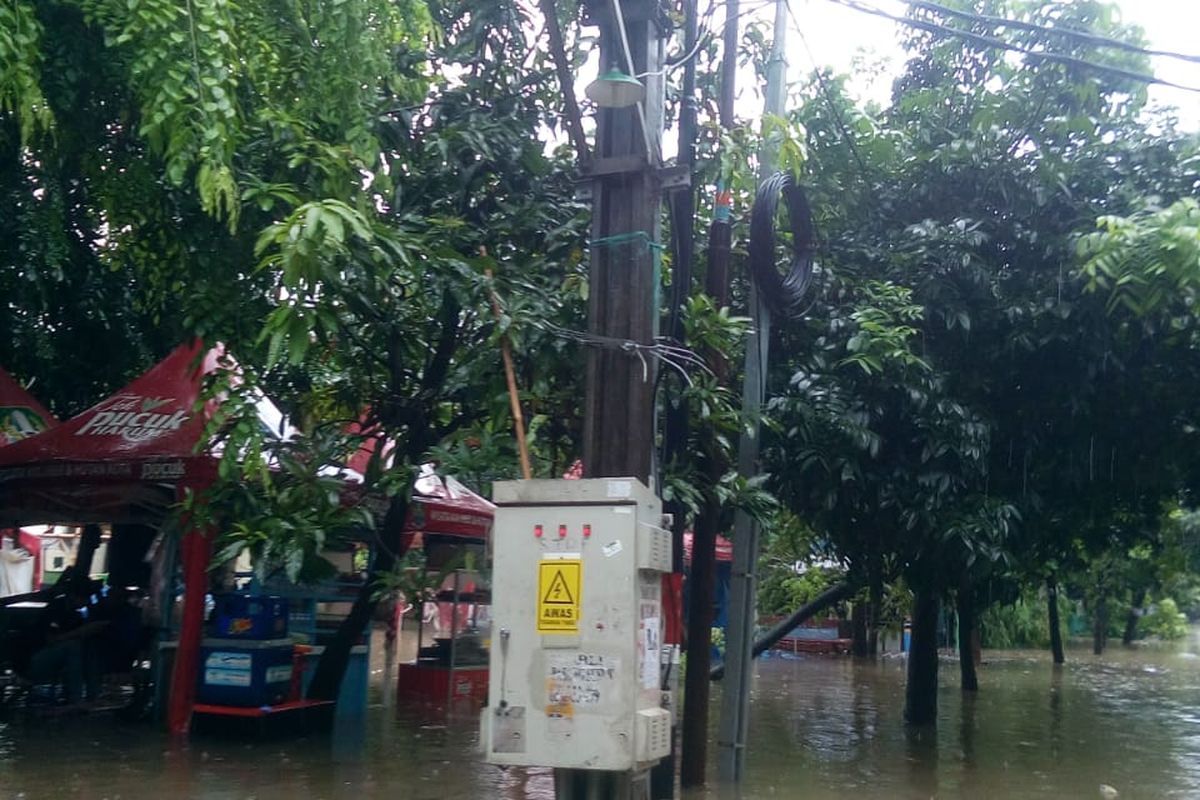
(784, 292)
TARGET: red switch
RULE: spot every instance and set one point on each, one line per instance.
(537, 531)
(562, 531)
(587, 531)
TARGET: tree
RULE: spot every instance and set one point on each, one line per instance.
(304, 183)
(967, 193)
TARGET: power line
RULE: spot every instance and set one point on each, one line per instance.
(828, 97)
(1066, 33)
(991, 41)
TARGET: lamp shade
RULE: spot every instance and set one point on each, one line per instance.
(615, 89)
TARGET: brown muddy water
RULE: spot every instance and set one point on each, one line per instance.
(821, 728)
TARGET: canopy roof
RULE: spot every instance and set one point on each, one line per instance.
(443, 505)
(118, 460)
(21, 416)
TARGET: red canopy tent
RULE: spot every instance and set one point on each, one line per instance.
(22, 416)
(440, 503)
(133, 455)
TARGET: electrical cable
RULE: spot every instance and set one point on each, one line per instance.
(1067, 33)
(991, 41)
(828, 97)
(784, 293)
(702, 40)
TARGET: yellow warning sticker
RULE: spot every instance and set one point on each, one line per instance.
(559, 584)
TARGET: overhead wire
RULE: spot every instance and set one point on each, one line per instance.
(823, 85)
(1067, 33)
(993, 42)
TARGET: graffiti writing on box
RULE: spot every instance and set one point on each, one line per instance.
(583, 679)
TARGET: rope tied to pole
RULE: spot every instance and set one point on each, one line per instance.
(632, 237)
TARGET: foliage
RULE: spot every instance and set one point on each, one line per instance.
(1148, 261)
(781, 593)
(1022, 622)
(1164, 621)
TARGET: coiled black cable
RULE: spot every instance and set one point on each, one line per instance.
(783, 291)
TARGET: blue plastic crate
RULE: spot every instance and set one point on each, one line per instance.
(237, 672)
(245, 616)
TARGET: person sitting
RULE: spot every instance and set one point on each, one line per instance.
(57, 650)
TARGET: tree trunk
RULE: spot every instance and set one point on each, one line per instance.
(920, 694)
(1135, 613)
(693, 748)
(1100, 624)
(694, 743)
(966, 636)
(874, 611)
(834, 594)
(858, 622)
(331, 667)
(1056, 642)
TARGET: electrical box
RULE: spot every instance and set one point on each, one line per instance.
(575, 661)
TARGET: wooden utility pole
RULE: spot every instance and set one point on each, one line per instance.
(624, 269)
(626, 195)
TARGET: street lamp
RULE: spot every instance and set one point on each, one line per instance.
(615, 89)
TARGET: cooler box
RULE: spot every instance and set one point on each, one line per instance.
(244, 616)
(239, 672)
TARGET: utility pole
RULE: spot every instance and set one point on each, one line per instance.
(624, 268)
(624, 276)
(739, 662)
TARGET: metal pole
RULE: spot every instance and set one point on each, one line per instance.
(453, 643)
(739, 664)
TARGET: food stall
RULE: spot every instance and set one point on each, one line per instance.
(451, 595)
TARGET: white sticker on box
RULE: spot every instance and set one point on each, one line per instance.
(279, 674)
(220, 660)
(620, 489)
(226, 677)
(612, 548)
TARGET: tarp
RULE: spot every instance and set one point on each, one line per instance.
(21, 416)
(17, 569)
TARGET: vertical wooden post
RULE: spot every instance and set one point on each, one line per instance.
(623, 276)
(623, 281)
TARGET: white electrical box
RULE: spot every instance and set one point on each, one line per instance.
(575, 662)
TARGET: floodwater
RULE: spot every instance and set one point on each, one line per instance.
(821, 728)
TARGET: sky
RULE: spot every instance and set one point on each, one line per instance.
(837, 35)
